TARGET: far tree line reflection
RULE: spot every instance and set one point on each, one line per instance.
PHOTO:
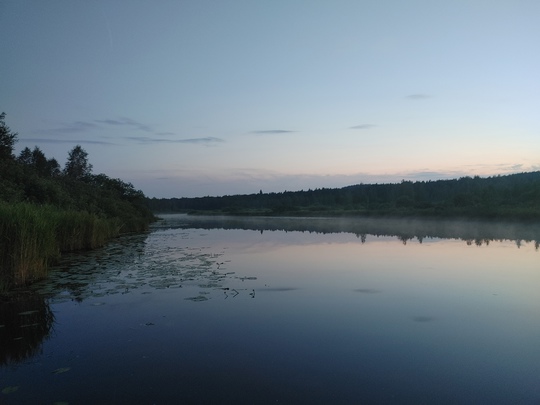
(404, 229)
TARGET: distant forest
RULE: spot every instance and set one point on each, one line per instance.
(515, 196)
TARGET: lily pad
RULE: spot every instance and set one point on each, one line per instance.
(198, 298)
(11, 389)
(61, 370)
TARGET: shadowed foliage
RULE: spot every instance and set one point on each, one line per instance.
(515, 196)
(45, 211)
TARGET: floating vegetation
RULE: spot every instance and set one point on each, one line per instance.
(247, 278)
(61, 370)
(197, 298)
(10, 390)
(141, 263)
(278, 289)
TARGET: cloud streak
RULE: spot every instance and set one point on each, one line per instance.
(126, 122)
(272, 131)
(77, 127)
(418, 96)
(149, 140)
(363, 126)
(80, 127)
(73, 141)
(69, 128)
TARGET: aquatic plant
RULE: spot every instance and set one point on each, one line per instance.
(32, 237)
(28, 242)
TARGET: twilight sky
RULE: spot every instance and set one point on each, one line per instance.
(194, 97)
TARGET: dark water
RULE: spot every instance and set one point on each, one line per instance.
(230, 310)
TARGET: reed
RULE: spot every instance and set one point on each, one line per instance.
(77, 230)
(28, 242)
(32, 237)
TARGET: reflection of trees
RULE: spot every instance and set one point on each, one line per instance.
(26, 320)
(405, 229)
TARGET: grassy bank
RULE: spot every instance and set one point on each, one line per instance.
(33, 237)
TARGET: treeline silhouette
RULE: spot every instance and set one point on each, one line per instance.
(515, 196)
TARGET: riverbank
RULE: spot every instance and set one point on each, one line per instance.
(33, 237)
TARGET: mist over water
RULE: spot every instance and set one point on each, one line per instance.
(290, 310)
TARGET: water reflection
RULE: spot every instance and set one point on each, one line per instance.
(80, 275)
(233, 315)
(405, 229)
(142, 263)
(26, 320)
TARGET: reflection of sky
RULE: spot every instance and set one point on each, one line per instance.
(331, 318)
(447, 273)
(436, 262)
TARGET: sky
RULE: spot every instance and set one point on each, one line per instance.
(193, 98)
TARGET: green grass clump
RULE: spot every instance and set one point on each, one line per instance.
(79, 230)
(28, 240)
(32, 237)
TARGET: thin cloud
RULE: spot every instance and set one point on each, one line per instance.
(418, 96)
(148, 140)
(363, 126)
(77, 127)
(425, 175)
(75, 141)
(69, 128)
(85, 126)
(272, 131)
(128, 122)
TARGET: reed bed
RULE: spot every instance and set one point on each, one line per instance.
(32, 237)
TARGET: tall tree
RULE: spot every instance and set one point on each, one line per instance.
(39, 161)
(77, 166)
(53, 168)
(25, 157)
(7, 139)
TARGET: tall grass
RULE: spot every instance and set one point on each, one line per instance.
(32, 237)
(80, 230)
(28, 243)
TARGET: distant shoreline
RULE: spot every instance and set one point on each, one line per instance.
(396, 214)
(515, 197)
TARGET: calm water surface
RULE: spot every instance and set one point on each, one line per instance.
(231, 310)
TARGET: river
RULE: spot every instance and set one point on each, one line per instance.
(283, 310)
